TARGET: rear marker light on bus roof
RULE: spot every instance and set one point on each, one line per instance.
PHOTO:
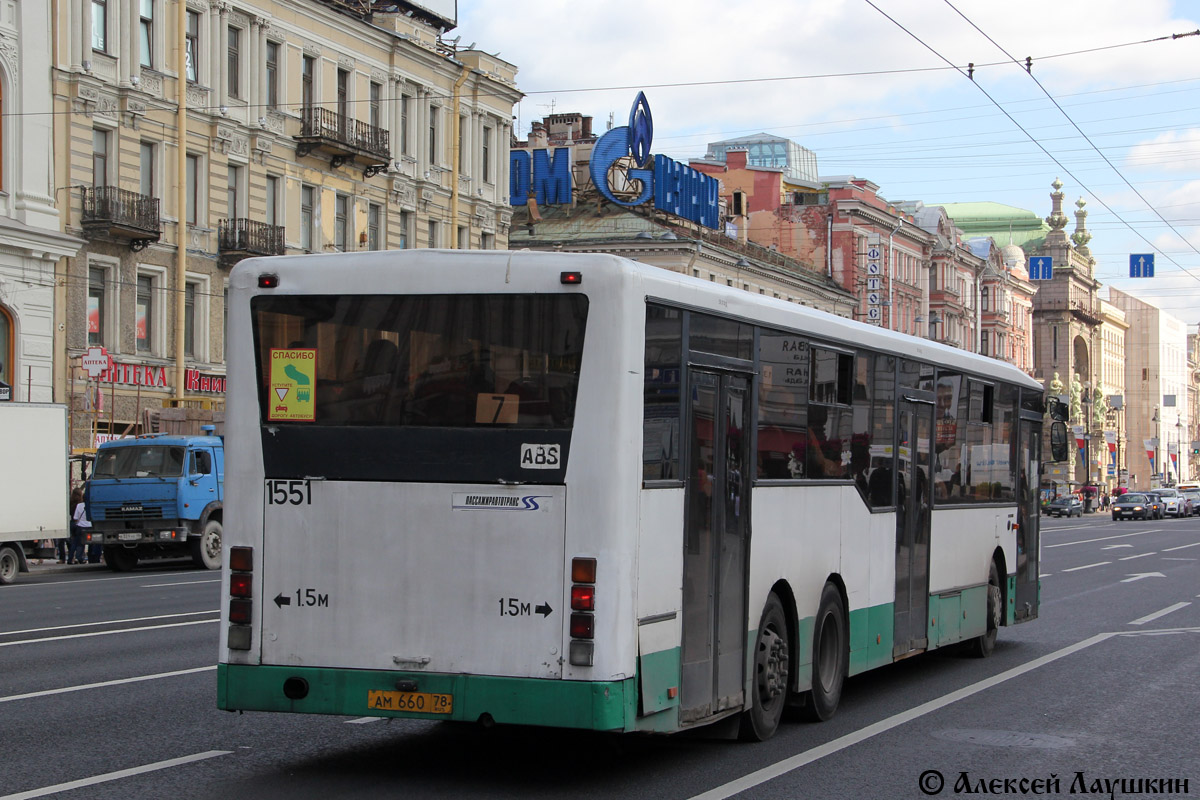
(267, 281)
(571, 278)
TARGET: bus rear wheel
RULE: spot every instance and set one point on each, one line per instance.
(983, 645)
(769, 683)
(830, 655)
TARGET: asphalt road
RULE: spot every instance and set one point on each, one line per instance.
(107, 690)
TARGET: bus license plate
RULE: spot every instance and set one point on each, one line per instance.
(129, 537)
(420, 702)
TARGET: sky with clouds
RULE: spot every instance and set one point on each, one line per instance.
(878, 89)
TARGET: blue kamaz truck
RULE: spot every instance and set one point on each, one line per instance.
(158, 495)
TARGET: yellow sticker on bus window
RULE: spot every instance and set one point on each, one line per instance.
(293, 385)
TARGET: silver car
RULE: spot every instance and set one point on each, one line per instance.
(1174, 503)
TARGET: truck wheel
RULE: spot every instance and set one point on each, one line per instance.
(206, 548)
(10, 565)
(120, 559)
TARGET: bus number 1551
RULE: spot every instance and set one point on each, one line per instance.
(284, 492)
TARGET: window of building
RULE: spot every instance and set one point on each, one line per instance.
(233, 208)
(96, 307)
(146, 183)
(487, 241)
(343, 93)
(983, 299)
(307, 201)
(189, 319)
(99, 157)
(462, 147)
(375, 105)
(100, 25)
(144, 310)
(433, 233)
(406, 221)
(193, 46)
(6, 356)
(983, 343)
(272, 204)
(308, 70)
(433, 129)
(464, 240)
(487, 155)
(193, 189)
(234, 43)
(374, 220)
(146, 31)
(341, 223)
(272, 69)
(405, 101)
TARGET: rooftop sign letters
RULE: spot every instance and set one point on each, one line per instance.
(541, 174)
(625, 173)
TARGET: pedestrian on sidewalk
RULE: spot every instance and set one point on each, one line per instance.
(80, 525)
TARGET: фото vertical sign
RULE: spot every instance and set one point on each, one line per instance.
(874, 283)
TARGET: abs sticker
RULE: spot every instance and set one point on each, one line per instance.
(540, 456)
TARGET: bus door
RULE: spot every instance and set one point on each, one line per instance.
(913, 499)
(1028, 516)
(716, 537)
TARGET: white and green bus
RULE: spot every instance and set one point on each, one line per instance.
(577, 491)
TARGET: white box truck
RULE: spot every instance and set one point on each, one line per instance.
(34, 481)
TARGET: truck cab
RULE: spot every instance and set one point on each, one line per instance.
(158, 495)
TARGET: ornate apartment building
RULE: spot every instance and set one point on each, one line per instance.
(310, 126)
(31, 244)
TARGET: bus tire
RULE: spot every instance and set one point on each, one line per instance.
(830, 655)
(10, 565)
(206, 548)
(769, 683)
(983, 645)
(120, 559)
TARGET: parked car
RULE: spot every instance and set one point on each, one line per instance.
(1065, 507)
(1133, 505)
(1194, 496)
(1174, 503)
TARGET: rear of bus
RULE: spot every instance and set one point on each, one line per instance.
(420, 445)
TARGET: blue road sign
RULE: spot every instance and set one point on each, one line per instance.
(1041, 268)
(1141, 265)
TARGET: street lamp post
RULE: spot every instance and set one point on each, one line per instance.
(1178, 446)
(1157, 463)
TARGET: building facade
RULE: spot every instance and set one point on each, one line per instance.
(1114, 333)
(32, 247)
(1156, 391)
(310, 126)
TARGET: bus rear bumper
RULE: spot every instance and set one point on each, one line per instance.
(587, 705)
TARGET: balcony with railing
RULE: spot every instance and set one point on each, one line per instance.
(241, 238)
(344, 139)
(112, 213)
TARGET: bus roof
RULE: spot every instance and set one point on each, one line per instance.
(436, 271)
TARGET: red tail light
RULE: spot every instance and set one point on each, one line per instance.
(583, 626)
(583, 598)
(240, 611)
(241, 593)
(241, 584)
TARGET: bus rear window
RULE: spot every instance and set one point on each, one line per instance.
(426, 361)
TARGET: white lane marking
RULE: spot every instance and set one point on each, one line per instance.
(112, 776)
(1104, 538)
(1139, 555)
(829, 748)
(1115, 546)
(77, 582)
(1087, 566)
(1168, 558)
(106, 633)
(1157, 614)
(1045, 575)
(108, 622)
(116, 682)
(1181, 547)
(179, 583)
(363, 720)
